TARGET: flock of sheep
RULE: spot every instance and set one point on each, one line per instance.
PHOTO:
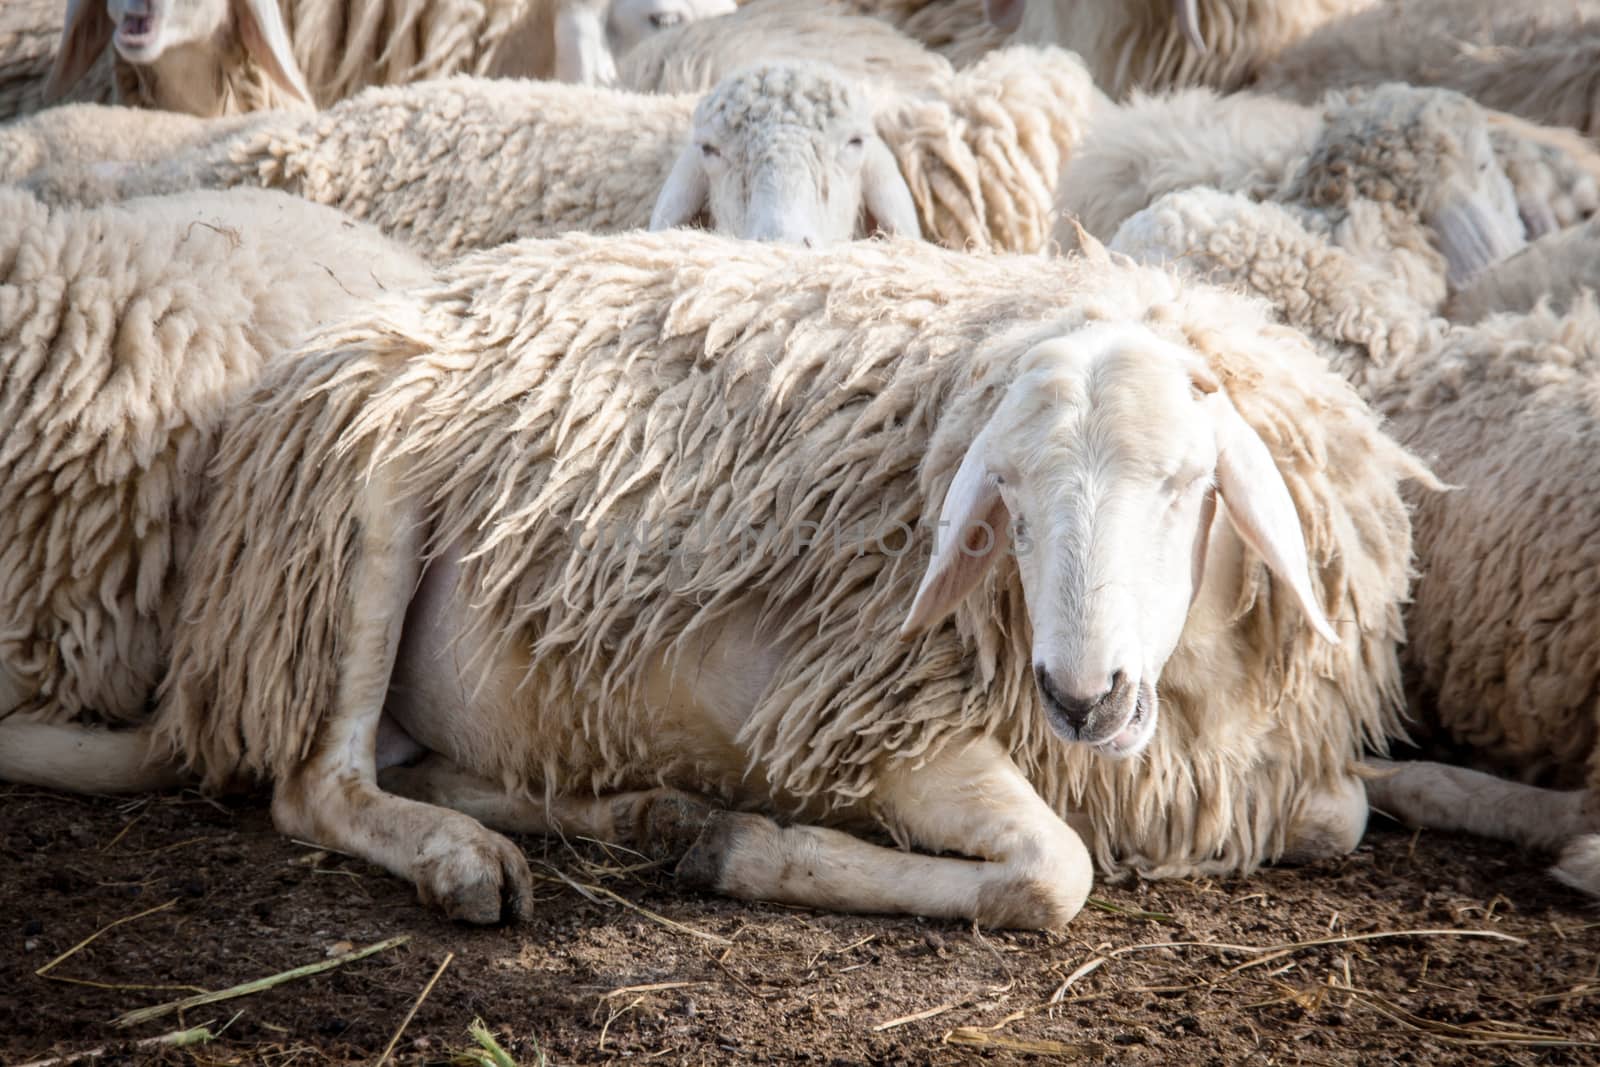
(1058, 435)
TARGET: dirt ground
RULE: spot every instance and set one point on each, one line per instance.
(623, 967)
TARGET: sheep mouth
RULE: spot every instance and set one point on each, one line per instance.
(135, 33)
(1137, 730)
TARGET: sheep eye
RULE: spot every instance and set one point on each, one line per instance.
(709, 151)
(854, 142)
(662, 19)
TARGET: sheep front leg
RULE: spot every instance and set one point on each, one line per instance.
(1032, 870)
(662, 822)
(332, 796)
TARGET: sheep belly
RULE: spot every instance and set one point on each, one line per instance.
(483, 713)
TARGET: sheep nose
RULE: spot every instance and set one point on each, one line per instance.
(806, 241)
(1074, 710)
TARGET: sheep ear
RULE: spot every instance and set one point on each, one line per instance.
(84, 36)
(265, 39)
(684, 195)
(972, 534)
(1473, 236)
(885, 194)
(1261, 509)
(1004, 15)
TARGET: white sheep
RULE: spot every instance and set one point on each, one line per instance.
(203, 57)
(1500, 642)
(670, 498)
(125, 334)
(778, 154)
(209, 57)
(1533, 58)
(980, 155)
(468, 163)
(1157, 45)
(1554, 269)
(1406, 178)
(959, 30)
(29, 32)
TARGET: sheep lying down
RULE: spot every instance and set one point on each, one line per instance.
(667, 538)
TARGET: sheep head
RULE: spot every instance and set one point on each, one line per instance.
(1099, 472)
(784, 152)
(143, 32)
(1429, 153)
(631, 21)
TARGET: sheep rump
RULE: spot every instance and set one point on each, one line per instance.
(655, 377)
(127, 331)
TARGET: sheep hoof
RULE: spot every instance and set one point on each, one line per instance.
(672, 823)
(473, 874)
(705, 864)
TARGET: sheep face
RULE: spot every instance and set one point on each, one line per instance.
(146, 32)
(1099, 473)
(786, 153)
(1429, 153)
(631, 21)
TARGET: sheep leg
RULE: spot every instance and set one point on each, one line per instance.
(1034, 871)
(333, 798)
(1444, 797)
(663, 822)
(1328, 822)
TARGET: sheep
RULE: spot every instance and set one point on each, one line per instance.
(1553, 270)
(469, 163)
(209, 57)
(1533, 59)
(695, 56)
(127, 333)
(72, 136)
(203, 57)
(1157, 45)
(796, 428)
(980, 157)
(1243, 142)
(1499, 652)
(755, 165)
(1404, 177)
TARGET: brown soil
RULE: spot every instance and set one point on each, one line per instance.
(609, 979)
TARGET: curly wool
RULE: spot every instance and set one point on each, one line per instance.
(764, 96)
(126, 333)
(983, 153)
(547, 389)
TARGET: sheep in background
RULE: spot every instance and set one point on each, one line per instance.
(127, 333)
(1135, 152)
(203, 57)
(1155, 444)
(778, 153)
(72, 136)
(474, 163)
(29, 33)
(959, 30)
(209, 57)
(1553, 270)
(1535, 58)
(695, 56)
(1157, 45)
(1405, 178)
(1500, 629)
